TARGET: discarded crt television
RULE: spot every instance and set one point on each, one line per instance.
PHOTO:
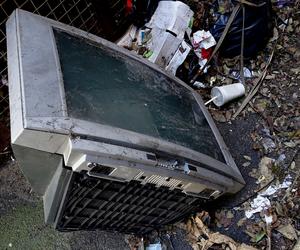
(108, 139)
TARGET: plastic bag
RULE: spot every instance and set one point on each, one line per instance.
(257, 30)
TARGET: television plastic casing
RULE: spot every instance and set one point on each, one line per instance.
(94, 175)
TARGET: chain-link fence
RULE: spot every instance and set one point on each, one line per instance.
(104, 18)
(78, 13)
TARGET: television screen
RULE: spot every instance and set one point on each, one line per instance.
(106, 87)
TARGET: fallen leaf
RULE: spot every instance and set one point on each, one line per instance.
(229, 215)
(246, 247)
(241, 222)
(261, 104)
(297, 246)
(269, 77)
(288, 231)
(260, 236)
(265, 171)
(279, 209)
(290, 144)
(204, 243)
(203, 229)
(218, 116)
(223, 218)
(295, 70)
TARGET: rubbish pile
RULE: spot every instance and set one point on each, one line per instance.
(185, 42)
(264, 66)
(161, 40)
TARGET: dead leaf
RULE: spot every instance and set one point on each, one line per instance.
(295, 70)
(223, 218)
(241, 222)
(288, 231)
(229, 215)
(218, 116)
(196, 232)
(260, 236)
(290, 144)
(218, 239)
(297, 246)
(246, 247)
(261, 104)
(265, 171)
(201, 226)
(205, 243)
(270, 77)
(279, 209)
(228, 115)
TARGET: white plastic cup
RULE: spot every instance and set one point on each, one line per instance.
(227, 93)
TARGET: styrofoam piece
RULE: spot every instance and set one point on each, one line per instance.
(227, 93)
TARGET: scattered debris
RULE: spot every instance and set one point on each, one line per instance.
(272, 92)
(161, 40)
(268, 144)
(202, 42)
(248, 158)
(257, 20)
(297, 246)
(223, 94)
(156, 246)
(237, 74)
(259, 204)
(264, 174)
(223, 218)
(202, 238)
(288, 231)
(178, 57)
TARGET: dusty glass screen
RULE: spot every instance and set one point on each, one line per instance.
(106, 87)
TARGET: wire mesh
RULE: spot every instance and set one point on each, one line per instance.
(78, 13)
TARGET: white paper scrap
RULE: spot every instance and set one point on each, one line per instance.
(178, 57)
(261, 202)
(268, 219)
(203, 39)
